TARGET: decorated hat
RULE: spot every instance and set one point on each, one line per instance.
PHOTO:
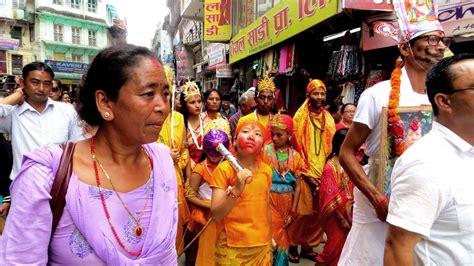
(190, 89)
(414, 19)
(216, 131)
(266, 84)
(283, 122)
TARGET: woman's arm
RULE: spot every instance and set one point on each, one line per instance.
(25, 239)
(194, 183)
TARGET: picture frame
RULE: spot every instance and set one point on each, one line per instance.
(412, 131)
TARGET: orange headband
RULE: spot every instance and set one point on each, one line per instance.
(313, 84)
(249, 121)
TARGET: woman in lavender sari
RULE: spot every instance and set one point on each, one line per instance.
(121, 203)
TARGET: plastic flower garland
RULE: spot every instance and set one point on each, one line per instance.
(395, 127)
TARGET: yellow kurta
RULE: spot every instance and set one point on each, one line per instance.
(314, 146)
(176, 142)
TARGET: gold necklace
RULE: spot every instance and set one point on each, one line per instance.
(138, 229)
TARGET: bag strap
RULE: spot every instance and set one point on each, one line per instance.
(61, 183)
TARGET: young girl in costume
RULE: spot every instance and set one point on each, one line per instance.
(199, 193)
(286, 165)
(335, 202)
(241, 200)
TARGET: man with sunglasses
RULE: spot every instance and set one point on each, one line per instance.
(34, 120)
(422, 43)
(247, 105)
(432, 205)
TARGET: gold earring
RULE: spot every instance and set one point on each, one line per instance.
(106, 114)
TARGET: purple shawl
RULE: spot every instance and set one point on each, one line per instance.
(26, 237)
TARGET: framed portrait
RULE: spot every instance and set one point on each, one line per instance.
(416, 122)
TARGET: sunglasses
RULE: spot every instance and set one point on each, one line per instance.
(55, 89)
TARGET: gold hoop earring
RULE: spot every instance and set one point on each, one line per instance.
(106, 114)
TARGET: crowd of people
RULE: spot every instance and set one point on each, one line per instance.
(152, 170)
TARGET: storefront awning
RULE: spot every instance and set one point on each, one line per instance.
(283, 21)
(72, 48)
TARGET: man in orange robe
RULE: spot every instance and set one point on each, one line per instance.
(314, 129)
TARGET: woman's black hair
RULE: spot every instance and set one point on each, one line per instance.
(343, 108)
(337, 141)
(208, 93)
(108, 72)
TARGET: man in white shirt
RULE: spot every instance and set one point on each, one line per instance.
(420, 49)
(34, 120)
(431, 212)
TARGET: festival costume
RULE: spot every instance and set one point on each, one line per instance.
(286, 169)
(245, 238)
(313, 135)
(335, 193)
(173, 138)
(200, 216)
(364, 244)
(79, 237)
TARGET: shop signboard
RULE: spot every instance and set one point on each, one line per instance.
(67, 67)
(382, 5)
(217, 19)
(456, 17)
(283, 21)
(9, 44)
(224, 71)
(216, 55)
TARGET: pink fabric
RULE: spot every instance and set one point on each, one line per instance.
(83, 235)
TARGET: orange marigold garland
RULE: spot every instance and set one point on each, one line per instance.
(395, 127)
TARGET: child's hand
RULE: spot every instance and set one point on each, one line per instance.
(242, 177)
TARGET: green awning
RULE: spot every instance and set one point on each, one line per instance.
(68, 76)
(72, 48)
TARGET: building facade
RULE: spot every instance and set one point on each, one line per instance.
(16, 39)
(69, 33)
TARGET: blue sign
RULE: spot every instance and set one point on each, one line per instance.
(67, 67)
(9, 44)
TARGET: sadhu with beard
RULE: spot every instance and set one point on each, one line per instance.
(422, 43)
(314, 129)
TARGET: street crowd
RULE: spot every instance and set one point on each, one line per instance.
(152, 168)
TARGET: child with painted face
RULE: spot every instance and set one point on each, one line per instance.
(241, 204)
(199, 193)
(287, 165)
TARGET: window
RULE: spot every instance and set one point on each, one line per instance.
(76, 4)
(32, 32)
(77, 58)
(58, 33)
(92, 5)
(3, 2)
(20, 4)
(3, 61)
(58, 2)
(92, 37)
(17, 64)
(76, 35)
(16, 33)
(59, 56)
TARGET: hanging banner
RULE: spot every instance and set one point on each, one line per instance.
(217, 19)
(381, 5)
(283, 21)
(456, 17)
(216, 55)
(224, 71)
